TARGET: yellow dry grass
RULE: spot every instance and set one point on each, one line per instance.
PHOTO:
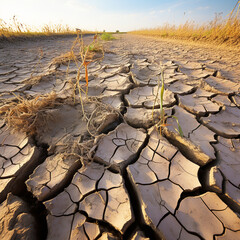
(14, 28)
(219, 31)
(28, 115)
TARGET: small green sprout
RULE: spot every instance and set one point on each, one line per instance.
(163, 118)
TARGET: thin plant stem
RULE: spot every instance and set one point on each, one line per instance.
(155, 100)
(162, 112)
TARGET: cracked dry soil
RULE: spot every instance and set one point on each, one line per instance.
(126, 182)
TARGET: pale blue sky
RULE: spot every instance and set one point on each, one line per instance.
(111, 15)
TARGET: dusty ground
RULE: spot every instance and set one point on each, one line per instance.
(111, 175)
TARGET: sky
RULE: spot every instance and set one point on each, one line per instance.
(112, 15)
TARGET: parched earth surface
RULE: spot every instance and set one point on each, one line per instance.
(108, 173)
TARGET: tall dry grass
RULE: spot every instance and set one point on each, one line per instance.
(14, 28)
(218, 31)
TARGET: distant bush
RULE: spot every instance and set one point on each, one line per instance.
(107, 36)
(117, 31)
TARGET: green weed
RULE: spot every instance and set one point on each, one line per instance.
(107, 36)
(163, 117)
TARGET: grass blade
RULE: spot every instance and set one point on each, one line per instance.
(162, 112)
(179, 130)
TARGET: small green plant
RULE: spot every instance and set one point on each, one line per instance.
(92, 47)
(163, 118)
(95, 46)
(107, 36)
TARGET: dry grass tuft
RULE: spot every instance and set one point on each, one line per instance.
(28, 115)
(219, 31)
(65, 58)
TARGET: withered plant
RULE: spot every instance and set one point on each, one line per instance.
(85, 55)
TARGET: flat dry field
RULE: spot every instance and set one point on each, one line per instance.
(96, 167)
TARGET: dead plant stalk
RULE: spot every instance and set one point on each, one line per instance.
(86, 57)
